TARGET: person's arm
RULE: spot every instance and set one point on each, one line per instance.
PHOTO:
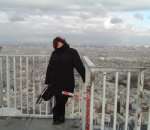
(49, 69)
(78, 64)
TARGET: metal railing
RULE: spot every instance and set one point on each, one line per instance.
(22, 80)
(106, 99)
(115, 98)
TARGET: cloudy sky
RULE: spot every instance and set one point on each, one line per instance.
(79, 21)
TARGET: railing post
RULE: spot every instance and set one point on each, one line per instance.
(90, 102)
(8, 80)
(89, 95)
(127, 100)
(14, 75)
(73, 105)
(80, 94)
(116, 100)
(139, 99)
(148, 118)
(92, 106)
(47, 103)
(104, 102)
(27, 82)
(84, 102)
(21, 90)
(1, 83)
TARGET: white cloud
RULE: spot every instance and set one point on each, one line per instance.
(3, 17)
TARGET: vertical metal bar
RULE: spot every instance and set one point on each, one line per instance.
(8, 81)
(27, 82)
(79, 96)
(40, 93)
(33, 60)
(72, 110)
(115, 103)
(139, 99)
(15, 90)
(1, 82)
(21, 83)
(38, 61)
(149, 118)
(79, 110)
(84, 95)
(127, 100)
(47, 103)
(89, 80)
(79, 102)
(83, 109)
(92, 106)
(40, 84)
(104, 101)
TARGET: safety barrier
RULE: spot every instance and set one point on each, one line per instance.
(115, 98)
(22, 80)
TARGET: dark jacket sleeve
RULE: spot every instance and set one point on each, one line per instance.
(49, 71)
(78, 64)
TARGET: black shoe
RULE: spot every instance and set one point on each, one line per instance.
(57, 122)
(62, 119)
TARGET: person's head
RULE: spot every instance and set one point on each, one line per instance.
(58, 42)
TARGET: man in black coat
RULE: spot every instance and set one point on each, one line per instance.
(60, 73)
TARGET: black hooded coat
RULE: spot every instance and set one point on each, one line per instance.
(60, 70)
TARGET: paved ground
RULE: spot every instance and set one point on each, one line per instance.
(36, 124)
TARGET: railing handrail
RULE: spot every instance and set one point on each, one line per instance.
(88, 63)
(92, 66)
(23, 55)
(86, 60)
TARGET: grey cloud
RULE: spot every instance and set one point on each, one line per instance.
(126, 5)
(103, 36)
(116, 20)
(84, 13)
(20, 10)
(106, 37)
(115, 5)
(16, 18)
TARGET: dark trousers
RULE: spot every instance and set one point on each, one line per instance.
(59, 108)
